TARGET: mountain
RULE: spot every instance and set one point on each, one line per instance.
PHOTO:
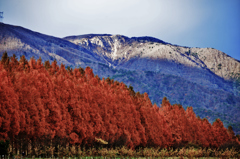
(204, 78)
(133, 53)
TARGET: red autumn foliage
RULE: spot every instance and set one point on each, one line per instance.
(41, 103)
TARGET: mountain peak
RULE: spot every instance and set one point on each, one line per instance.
(85, 36)
(138, 39)
(148, 39)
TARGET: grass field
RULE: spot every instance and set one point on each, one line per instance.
(145, 153)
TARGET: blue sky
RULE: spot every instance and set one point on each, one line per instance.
(193, 23)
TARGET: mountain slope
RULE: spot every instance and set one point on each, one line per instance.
(20, 41)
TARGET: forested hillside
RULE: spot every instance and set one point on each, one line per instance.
(46, 104)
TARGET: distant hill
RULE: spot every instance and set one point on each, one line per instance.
(204, 78)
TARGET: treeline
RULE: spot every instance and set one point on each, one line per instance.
(47, 105)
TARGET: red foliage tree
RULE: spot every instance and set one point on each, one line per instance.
(220, 133)
(42, 104)
(9, 108)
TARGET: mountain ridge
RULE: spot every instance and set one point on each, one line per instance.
(200, 56)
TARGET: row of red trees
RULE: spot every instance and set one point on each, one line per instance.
(44, 104)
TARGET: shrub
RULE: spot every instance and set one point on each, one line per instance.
(230, 145)
(194, 145)
(219, 66)
(125, 151)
